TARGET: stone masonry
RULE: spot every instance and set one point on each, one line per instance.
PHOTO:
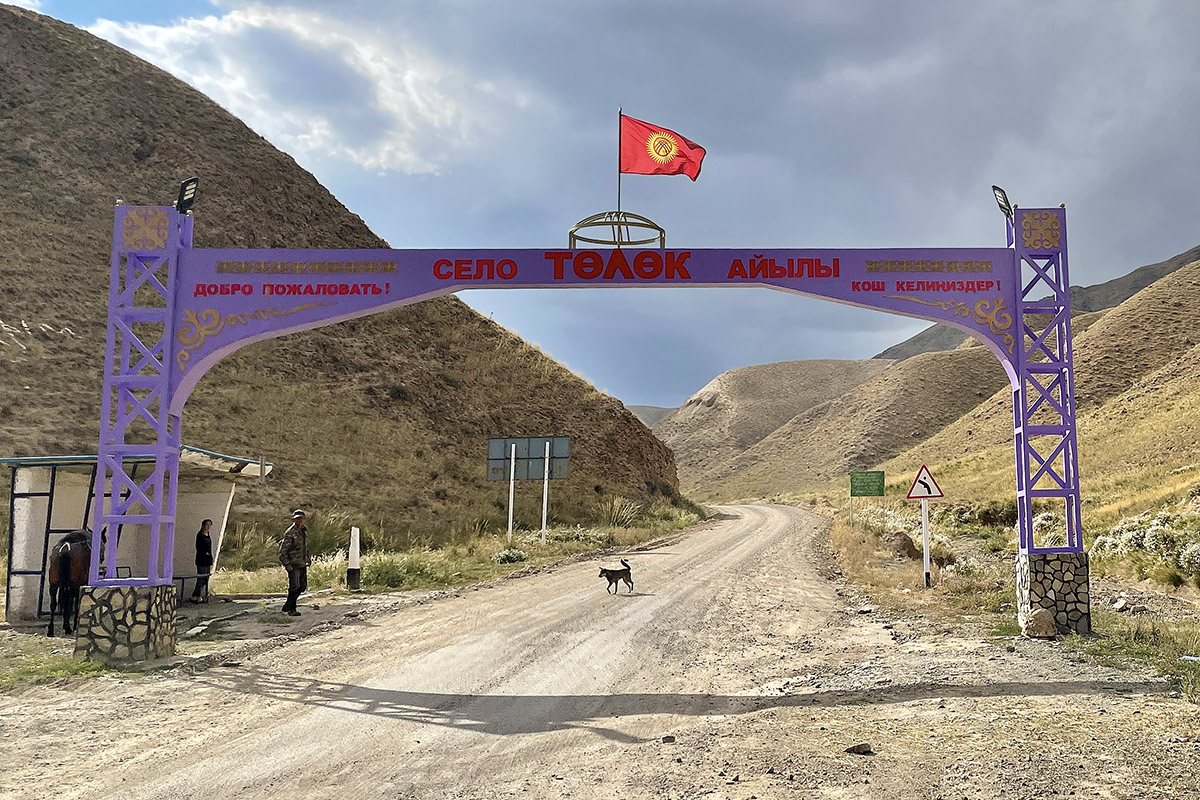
(1057, 582)
(126, 623)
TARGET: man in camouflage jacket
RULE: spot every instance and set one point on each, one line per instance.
(293, 555)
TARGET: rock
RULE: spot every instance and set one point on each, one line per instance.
(902, 545)
(1040, 625)
(865, 610)
(668, 739)
(1138, 609)
(860, 749)
(1121, 605)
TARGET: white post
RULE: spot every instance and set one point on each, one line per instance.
(353, 574)
(925, 538)
(512, 483)
(545, 490)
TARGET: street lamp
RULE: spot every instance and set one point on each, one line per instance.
(187, 195)
(1002, 201)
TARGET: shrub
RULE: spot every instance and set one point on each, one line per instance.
(620, 513)
(394, 570)
(510, 555)
(997, 513)
(577, 534)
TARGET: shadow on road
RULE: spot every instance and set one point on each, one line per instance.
(515, 714)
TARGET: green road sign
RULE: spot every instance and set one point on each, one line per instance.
(866, 484)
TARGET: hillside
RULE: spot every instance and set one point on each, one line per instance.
(382, 419)
(737, 409)
(879, 418)
(1124, 345)
(954, 409)
(650, 415)
(1098, 297)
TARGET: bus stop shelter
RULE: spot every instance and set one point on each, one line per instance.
(51, 496)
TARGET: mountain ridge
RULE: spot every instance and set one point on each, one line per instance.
(384, 418)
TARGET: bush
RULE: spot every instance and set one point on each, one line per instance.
(997, 513)
(510, 555)
(401, 569)
(620, 513)
(577, 534)
(1170, 538)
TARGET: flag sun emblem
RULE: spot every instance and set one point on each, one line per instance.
(662, 147)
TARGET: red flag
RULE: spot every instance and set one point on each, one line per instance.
(650, 150)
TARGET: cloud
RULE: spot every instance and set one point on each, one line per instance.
(319, 86)
(827, 124)
(32, 5)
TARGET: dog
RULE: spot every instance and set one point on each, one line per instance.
(615, 576)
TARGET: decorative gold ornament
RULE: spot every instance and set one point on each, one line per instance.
(1041, 230)
(197, 326)
(145, 229)
(992, 313)
(662, 147)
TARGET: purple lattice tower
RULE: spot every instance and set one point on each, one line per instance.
(229, 298)
(134, 419)
(1051, 573)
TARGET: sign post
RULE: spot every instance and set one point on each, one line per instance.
(545, 489)
(864, 484)
(923, 488)
(516, 459)
(512, 485)
(353, 571)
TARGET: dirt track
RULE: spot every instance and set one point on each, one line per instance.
(734, 643)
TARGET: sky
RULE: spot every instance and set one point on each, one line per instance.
(828, 123)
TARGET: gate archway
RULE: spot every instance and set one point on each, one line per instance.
(175, 311)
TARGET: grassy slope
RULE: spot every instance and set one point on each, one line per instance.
(384, 416)
(883, 416)
(1138, 384)
(737, 409)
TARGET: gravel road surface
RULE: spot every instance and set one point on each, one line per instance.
(739, 667)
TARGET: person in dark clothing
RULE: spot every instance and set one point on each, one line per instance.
(293, 555)
(204, 562)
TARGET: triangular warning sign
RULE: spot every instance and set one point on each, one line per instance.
(924, 486)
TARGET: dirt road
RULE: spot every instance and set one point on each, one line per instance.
(737, 642)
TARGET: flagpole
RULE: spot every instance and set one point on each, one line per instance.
(618, 159)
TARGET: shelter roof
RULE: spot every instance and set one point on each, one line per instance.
(188, 455)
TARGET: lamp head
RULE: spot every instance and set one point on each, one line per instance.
(1002, 201)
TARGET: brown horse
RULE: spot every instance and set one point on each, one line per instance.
(70, 560)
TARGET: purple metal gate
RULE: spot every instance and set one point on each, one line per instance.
(175, 311)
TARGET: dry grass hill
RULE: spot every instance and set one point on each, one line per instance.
(649, 415)
(947, 407)
(737, 409)
(1135, 384)
(383, 418)
(881, 417)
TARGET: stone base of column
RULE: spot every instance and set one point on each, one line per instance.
(119, 624)
(1057, 582)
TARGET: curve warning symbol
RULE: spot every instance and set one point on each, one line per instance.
(924, 486)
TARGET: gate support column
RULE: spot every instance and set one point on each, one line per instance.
(1052, 568)
(134, 408)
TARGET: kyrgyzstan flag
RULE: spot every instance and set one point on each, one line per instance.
(652, 150)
